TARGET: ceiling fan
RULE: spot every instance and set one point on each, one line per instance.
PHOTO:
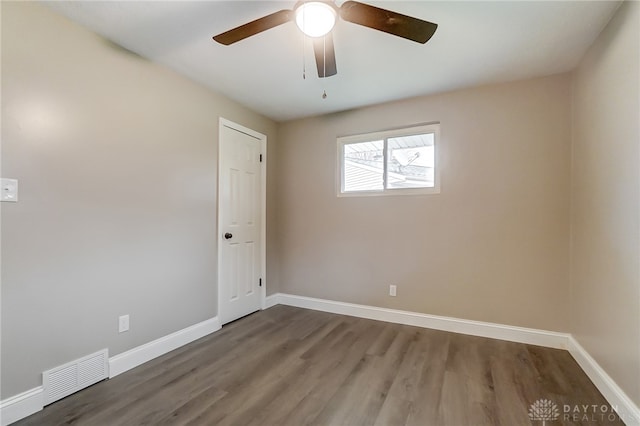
(317, 18)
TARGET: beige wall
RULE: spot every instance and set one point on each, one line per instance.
(116, 159)
(492, 246)
(605, 273)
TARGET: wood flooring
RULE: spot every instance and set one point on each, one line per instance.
(291, 366)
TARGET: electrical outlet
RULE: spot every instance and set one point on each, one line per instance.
(392, 290)
(123, 323)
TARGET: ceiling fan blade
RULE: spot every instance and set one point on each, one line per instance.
(254, 27)
(325, 56)
(387, 21)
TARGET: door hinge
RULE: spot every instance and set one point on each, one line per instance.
(260, 282)
(261, 158)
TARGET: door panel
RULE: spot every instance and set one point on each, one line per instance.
(239, 224)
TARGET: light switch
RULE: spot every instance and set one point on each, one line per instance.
(9, 190)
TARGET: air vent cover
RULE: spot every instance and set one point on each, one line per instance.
(75, 375)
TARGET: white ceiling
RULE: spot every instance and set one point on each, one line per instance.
(476, 43)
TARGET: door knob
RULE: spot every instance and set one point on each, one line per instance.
(228, 235)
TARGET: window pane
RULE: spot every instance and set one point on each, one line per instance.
(364, 166)
(411, 162)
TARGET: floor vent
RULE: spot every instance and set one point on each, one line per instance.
(75, 375)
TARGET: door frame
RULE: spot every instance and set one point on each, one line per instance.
(223, 122)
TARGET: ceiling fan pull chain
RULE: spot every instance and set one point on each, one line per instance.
(324, 55)
(304, 41)
(324, 63)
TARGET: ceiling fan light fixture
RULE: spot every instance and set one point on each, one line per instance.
(315, 18)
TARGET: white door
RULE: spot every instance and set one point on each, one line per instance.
(240, 217)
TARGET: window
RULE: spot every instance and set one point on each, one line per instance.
(392, 162)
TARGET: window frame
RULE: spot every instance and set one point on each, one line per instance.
(384, 135)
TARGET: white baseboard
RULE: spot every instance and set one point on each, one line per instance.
(271, 300)
(626, 408)
(132, 358)
(30, 402)
(628, 411)
(475, 328)
(21, 406)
